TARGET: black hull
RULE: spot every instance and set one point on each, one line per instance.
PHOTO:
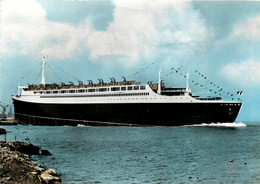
(142, 114)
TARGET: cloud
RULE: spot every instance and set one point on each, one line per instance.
(239, 43)
(247, 30)
(245, 73)
(146, 28)
(26, 31)
(140, 29)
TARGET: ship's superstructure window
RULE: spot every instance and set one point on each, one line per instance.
(103, 89)
(101, 95)
(115, 89)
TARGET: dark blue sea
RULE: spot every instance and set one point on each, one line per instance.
(196, 154)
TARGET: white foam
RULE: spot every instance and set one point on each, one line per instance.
(232, 125)
(81, 125)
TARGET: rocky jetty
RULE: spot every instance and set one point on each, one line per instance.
(2, 131)
(16, 165)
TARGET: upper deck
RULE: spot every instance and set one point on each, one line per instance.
(131, 87)
(85, 88)
(34, 87)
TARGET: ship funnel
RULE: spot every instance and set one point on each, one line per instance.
(159, 83)
(43, 71)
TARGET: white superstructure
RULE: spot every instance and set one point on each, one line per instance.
(112, 94)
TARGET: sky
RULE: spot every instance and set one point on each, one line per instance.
(217, 42)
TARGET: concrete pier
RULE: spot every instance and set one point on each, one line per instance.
(8, 122)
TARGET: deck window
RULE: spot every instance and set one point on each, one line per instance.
(115, 89)
(102, 89)
(81, 90)
(136, 87)
(91, 90)
(72, 91)
(123, 88)
(63, 91)
(142, 87)
(129, 88)
(55, 92)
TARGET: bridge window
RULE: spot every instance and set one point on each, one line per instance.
(142, 87)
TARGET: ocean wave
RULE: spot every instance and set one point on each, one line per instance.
(232, 125)
(81, 125)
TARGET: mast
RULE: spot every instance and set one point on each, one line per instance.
(43, 71)
(159, 83)
(187, 82)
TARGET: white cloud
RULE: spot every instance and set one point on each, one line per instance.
(247, 30)
(26, 31)
(139, 29)
(245, 73)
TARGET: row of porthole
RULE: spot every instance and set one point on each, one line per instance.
(230, 104)
(129, 98)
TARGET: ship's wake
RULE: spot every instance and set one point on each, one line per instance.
(229, 125)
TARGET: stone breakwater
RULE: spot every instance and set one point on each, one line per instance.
(16, 165)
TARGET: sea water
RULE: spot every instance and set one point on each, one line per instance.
(193, 154)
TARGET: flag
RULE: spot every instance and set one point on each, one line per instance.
(240, 93)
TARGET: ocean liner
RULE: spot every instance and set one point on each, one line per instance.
(125, 103)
